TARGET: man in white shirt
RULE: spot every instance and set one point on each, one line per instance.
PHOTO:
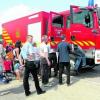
(28, 54)
(44, 61)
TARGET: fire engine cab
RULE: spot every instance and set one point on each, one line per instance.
(83, 23)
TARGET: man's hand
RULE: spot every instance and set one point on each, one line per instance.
(21, 67)
(48, 63)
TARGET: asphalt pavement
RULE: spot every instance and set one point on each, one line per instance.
(85, 86)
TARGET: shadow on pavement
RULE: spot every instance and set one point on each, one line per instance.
(90, 73)
(16, 90)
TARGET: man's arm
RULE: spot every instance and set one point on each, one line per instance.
(70, 48)
(46, 54)
(21, 61)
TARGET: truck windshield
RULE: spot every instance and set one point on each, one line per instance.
(84, 17)
(57, 21)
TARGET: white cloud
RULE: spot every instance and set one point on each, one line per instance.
(97, 2)
(16, 12)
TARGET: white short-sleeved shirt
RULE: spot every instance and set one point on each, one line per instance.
(43, 49)
(28, 52)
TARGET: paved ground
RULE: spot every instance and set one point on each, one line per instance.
(86, 86)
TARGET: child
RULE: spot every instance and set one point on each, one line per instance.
(7, 66)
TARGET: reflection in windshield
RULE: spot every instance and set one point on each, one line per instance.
(84, 17)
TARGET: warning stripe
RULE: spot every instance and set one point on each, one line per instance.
(91, 43)
(9, 41)
(6, 37)
(74, 43)
(53, 43)
(86, 43)
(80, 43)
(4, 34)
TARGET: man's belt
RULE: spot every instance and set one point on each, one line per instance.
(29, 61)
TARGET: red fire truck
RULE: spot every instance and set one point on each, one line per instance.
(71, 23)
(83, 23)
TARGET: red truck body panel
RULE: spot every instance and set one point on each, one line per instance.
(18, 29)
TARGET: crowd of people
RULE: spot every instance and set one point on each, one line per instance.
(38, 61)
(9, 62)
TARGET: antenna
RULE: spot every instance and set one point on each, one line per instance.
(91, 3)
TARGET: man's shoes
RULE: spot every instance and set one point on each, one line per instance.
(45, 82)
(47, 85)
(49, 76)
(55, 75)
(60, 83)
(83, 65)
(77, 72)
(41, 92)
(28, 93)
(68, 84)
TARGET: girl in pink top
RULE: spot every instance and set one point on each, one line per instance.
(7, 65)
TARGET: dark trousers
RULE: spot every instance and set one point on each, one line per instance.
(45, 73)
(53, 61)
(30, 68)
(37, 63)
(61, 69)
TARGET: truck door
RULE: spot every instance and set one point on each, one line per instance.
(56, 25)
(82, 24)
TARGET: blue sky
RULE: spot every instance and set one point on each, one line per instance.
(56, 5)
(12, 9)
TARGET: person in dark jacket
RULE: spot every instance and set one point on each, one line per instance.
(79, 55)
(64, 59)
(28, 54)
